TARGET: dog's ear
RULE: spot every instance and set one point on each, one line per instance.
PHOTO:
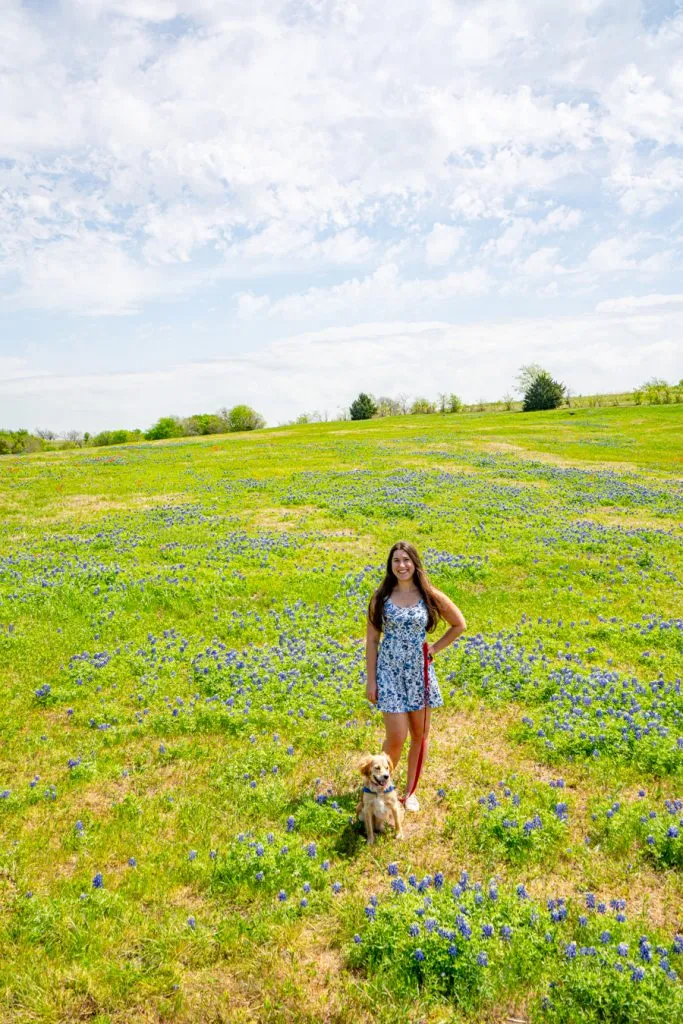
(364, 764)
(391, 763)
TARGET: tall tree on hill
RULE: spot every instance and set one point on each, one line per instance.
(363, 408)
(543, 393)
(526, 375)
(243, 417)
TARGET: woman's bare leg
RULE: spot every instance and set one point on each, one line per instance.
(396, 728)
(416, 725)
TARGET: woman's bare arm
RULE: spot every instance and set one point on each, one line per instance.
(372, 638)
(452, 614)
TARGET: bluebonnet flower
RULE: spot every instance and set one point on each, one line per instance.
(506, 932)
(191, 921)
(487, 931)
(398, 885)
(570, 950)
(622, 949)
(392, 868)
(452, 950)
(590, 900)
(98, 881)
(306, 887)
(583, 920)
(311, 850)
(372, 900)
(438, 879)
(325, 865)
(638, 973)
(282, 895)
(259, 876)
(482, 959)
(357, 939)
(132, 863)
(414, 929)
(260, 850)
(192, 855)
(213, 854)
(419, 955)
(412, 880)
(605, 937)
(290, 823)
(678, 944)
(303, 902)
(370, 913)
(336, 887)
(521, 892)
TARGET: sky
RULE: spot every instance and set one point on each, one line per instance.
(286, 202)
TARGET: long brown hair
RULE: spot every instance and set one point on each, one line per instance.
(384, 590)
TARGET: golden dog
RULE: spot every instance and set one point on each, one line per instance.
(379, 800)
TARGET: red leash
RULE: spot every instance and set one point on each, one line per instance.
(426, 658)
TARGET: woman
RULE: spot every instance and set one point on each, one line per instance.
(406, 606)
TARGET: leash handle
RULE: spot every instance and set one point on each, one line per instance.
(426, 658)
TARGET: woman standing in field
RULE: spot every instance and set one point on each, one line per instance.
(405, 607)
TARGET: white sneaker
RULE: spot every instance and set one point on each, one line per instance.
(412, 803)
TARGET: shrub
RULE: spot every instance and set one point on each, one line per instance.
(167, 426)
(422, 405)
(543, 393)
(205, 423)
(243, 417)
(363, 408)
(17, 442)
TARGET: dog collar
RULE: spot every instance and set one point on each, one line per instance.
(366, 789)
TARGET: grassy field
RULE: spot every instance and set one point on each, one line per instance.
(182, 666)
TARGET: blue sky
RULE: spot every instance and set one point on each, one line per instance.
(285, 203)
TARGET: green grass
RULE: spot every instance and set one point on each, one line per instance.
(182, 654)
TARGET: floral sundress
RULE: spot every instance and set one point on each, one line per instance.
(400, 665)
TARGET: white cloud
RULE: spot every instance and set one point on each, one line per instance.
(301, 163)
(442, 241)
(631, 302)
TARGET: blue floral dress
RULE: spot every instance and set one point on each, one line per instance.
(400, 664)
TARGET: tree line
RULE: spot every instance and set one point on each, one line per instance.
(225, 421)
(536, 387)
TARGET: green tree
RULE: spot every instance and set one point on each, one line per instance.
(422, 405)
(205, 423)
(543, 393)
(526, 375)
(363, 408)
(243, 417)
(167, 426)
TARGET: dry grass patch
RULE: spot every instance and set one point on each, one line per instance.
(81, 507)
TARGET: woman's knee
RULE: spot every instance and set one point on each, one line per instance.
(418, 728)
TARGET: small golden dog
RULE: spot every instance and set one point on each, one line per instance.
(379, 799)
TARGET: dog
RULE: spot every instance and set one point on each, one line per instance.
(379, 800)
